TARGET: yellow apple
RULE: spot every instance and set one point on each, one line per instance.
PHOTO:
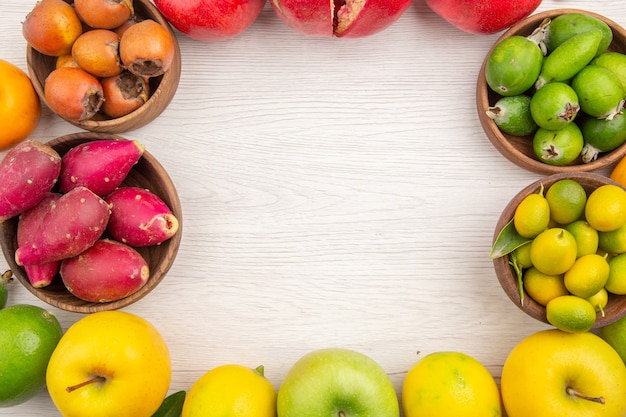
(553, 373)
(109, 363)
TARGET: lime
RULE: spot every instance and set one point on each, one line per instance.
(558, 147)
(586, 237)
(28, 336)
(567, 199)
(542, 287)
(512, 115)
(571, 314)
(606, 208)
(513, 66)
(587, 276)
(448, 384)
(599, 300)
(616, 283)
(615, 335)
(553, 251)
(532, 215)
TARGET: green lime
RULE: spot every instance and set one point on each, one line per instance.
(567, 199)
(553, 251)
(615, 335)
(28, 336)
(512, 115)
(599, 91)
(532, 215)
(586, 237)
(602, 135)
(614, 61)
(587, 276)
(567, 25)
(616, 283)
(558, 147)
(542, 287)
(513, 66)
(571, 314)
(554, 106)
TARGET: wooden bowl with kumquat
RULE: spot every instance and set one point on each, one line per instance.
(501, 252)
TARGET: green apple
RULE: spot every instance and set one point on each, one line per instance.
(109, 363)
(337, 382)
(553, 373)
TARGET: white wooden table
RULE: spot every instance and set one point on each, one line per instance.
(335, 192)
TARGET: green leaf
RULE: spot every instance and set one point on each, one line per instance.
(519, 274)
(507, 241)
(172, 406)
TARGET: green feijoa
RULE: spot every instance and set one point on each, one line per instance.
(513, 66)
(601, 135)
(554, 106)
(616, 62)
(558, 147)
(567, 25)
(512, 115)
(569, 58)
(599, 91)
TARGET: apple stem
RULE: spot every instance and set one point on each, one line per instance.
(572, 391)
(341, 414)
(82, 384)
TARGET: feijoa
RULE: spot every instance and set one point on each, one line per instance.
(558, 147)
(512, 115)
(599, 91)
(602, 135)
(569, 58)
(513, 66)
(554, 106)
(567, 25)
(614, 61)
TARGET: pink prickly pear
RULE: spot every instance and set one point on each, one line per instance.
(139, 217)
(107, 271)
(27, 228)
(74, 223)
(27, 173)
(100, 165)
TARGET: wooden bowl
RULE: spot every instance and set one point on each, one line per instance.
(517, 149)
(616, 307)
(147, 173)
(162, 88)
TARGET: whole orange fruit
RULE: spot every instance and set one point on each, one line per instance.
(19, 105)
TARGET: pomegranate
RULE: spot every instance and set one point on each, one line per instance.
(341, 18)
(483, 16)
(211, 20)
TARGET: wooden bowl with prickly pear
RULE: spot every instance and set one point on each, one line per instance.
(504, 263)
(518, 147)
(151, 93)
(146, 174)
